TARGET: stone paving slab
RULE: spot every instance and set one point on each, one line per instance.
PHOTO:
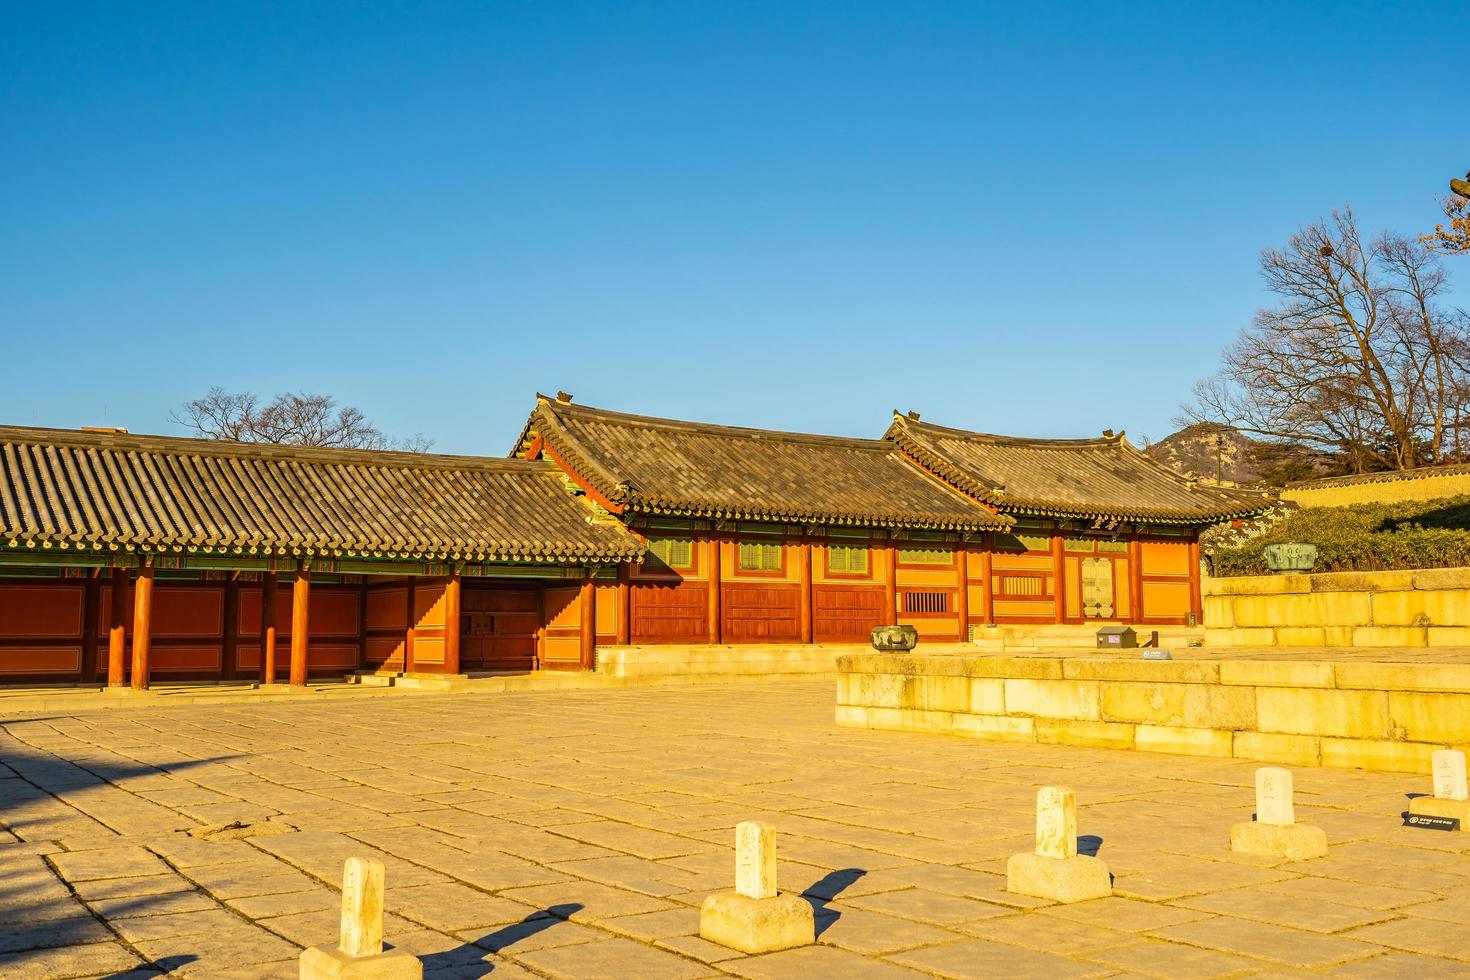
(574, 833)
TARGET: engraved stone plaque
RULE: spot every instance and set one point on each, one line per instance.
(1056, 822)
(1449, 774)
(1273, 797)
(755, 859)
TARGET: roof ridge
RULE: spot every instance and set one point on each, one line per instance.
(717, 428)
(195, 446)
(1094, 442)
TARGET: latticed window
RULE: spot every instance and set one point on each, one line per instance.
(672, 552)
(849, 559)
(926, 602)
(925, 556)
(756, 556)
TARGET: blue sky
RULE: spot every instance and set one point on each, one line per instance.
(1041, 220)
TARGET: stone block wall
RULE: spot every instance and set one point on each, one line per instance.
(1417, 608)
(1380, 716)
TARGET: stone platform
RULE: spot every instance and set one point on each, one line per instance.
(1358, 708)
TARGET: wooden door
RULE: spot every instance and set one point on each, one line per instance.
(498, 627)
(1098, 589)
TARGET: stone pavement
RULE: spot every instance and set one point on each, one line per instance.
(575, 834)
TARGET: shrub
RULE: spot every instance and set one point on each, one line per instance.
(1360, 538)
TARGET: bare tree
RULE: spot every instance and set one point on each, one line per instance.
(1359, 356)
(1454, 238)
(294, 419)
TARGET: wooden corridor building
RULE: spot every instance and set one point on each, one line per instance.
(125, 559)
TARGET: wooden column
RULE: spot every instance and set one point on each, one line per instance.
(1135, 580)
(142, 626)
(1195, 605)
(116, 630)
(268, 589)
(232, 627)
(300, 625)
(451, 624)
(962, 594)
(987, 589)
(625, 604)
(1059, 565)
(91, 612)
(804, 569)
(587, 620)
(714, 548)
(890, 582)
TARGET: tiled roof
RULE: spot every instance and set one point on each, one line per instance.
(64, 489)
(663, 466)
(1104, 478)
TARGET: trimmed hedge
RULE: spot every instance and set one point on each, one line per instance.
(1362, 538)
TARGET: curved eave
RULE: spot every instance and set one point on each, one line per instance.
(1199, 519)
(38, 543)
(932, 522)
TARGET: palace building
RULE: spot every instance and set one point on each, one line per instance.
(131, 559)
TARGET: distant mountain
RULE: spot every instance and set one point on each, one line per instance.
(1212, 453)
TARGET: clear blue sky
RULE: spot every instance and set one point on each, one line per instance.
(1042, 221)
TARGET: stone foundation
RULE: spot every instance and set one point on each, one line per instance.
(1380, 716)
(1428, 607)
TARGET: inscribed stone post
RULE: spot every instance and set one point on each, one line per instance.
(1056, 822)
(1274, 804)
(755, 859)
(362, 907)
(1449, 775)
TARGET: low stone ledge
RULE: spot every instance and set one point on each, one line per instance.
(1382, 716)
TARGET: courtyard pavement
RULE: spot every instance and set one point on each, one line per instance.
(575, 833)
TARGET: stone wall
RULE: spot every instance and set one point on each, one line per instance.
(1425, 483)
(1415, 608)
(1378, 716)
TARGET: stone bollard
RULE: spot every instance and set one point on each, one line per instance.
(1055, 870)
(1451, 794)
(755, 918)
(1275, 832)
(359, 952)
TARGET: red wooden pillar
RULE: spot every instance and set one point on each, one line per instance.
(1059, 565)
(451, 624)
(300, 625)
(142, 626)
(268, 591)
(1195, 606)
(714, 547)
(625, 605)
(962, 594)
(890, 582)
(587, 620)
(1135, 580)
(987, 590)
(116, 630)
(804, 569)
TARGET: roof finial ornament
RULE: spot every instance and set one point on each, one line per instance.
(913, 416)
(563, 398)
(1107, 433)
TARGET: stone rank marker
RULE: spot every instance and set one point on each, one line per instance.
(1451, 793)
(1055, 870)
(755, 918)
(359, 953)
(1275, 832)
